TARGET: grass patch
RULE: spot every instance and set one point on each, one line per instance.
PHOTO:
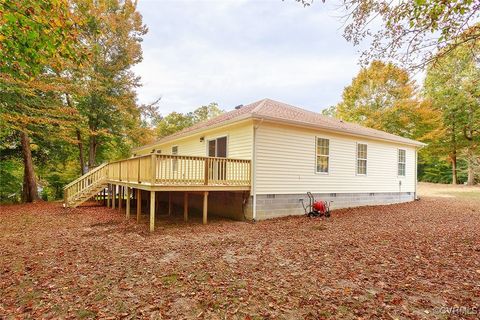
(170, 279)
(319, 227)
(470, 195)
(86, 314)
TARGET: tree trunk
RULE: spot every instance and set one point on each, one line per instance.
(92, 152)
(80, 151)
(471, 163)
(453, 156)
(79, 139)
(468, 132)
(29, 193)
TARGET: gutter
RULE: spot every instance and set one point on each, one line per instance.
(342, 132)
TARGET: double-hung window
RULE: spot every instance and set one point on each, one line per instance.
(361, 158)
(401, 162)
(323, 155)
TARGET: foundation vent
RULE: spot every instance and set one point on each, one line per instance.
(270, 196)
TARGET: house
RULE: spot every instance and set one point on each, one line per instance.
(257, 162)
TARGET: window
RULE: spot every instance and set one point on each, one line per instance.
(217, 147)
(361, 158)
(401, 162)
(174, 161)
(323, 151)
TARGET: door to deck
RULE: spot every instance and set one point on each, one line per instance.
(218, 148)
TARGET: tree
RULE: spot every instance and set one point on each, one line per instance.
(33, 109)
(383, 97)
(112, 36)
(34, 35)
(204, 113)
(176, 121)
(173, 122)
(453, 84)
(412, 32)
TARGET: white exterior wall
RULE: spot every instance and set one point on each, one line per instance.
(286, 163)
(239, 142)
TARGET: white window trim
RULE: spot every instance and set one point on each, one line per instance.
(316, 156)
(215, 139)
(357, 158)
(404, 163)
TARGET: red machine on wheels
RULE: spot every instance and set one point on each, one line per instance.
(316, 208)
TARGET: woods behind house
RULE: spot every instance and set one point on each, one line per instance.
(68, 98)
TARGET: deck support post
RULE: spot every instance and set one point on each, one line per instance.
(114, 195)
(104, 197)
(139, 204)
(152, 211)
(185, 206)
(127, 205)
(205, 206)
(120, 197)
(169, 203)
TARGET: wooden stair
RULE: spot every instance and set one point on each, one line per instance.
(85, 187)
(85, 195)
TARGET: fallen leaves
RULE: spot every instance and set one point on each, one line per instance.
(395, 261)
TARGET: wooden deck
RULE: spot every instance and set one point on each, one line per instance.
(156, 172)
(172, 172)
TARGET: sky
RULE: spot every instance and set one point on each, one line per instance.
(238, 52)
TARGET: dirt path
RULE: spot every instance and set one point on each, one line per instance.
(401, 261)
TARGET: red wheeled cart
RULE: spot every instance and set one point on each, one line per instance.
(316, 208)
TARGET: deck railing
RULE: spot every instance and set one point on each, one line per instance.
(174, 170)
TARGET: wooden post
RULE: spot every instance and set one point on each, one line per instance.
(139, 204)
(205, 206)
(169, 203)
(114, 195)
(153, 168)
(152, 211)
(138, 170)
(127, 205)
(206, 171)
(109, 195)
(104, 198)
(185, 207)
(120, 197)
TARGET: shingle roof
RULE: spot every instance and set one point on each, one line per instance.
(281, 112)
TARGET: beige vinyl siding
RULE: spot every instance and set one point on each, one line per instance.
(285, 163)
(239, 142)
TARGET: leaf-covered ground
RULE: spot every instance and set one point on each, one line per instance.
(411, 260)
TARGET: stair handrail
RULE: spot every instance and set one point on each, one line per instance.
(85, 175)
(70, 190)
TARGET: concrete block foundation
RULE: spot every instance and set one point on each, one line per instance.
(281, 205)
